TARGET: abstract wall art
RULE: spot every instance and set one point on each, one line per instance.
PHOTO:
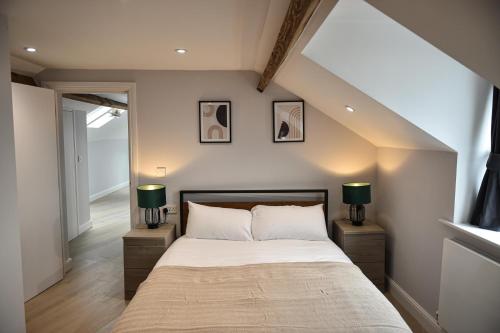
(215, 121)
(288, 121)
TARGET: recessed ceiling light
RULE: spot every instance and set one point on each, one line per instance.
(349, 108)
(181, 51)
(30, 49)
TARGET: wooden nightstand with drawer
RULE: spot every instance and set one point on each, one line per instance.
(365, 246)
(142, 248)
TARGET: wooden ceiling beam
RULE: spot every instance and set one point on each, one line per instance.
(298, 14)
(97, 100)
(22, 79)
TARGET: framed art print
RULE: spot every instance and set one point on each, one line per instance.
(288, 121)
(215, 121)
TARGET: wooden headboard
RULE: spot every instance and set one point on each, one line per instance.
(183, 202)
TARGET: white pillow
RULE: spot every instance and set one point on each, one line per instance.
(218, 223)
(289, 222)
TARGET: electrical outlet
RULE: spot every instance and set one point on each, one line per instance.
(171, 209)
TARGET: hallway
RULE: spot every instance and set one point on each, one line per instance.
(90, 297)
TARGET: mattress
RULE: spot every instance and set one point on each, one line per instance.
(218, 253)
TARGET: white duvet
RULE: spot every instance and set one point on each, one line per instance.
(213, 253)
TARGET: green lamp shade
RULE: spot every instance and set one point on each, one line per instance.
(356, 193)
(151, 196)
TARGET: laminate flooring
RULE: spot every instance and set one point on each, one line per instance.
(90, 297)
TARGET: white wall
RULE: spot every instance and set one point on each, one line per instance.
(414, 192)
(168, 136)
(108, 157)
(413, 188)
(11, 279)
(414, 79)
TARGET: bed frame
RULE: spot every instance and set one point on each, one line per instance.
(184, 212)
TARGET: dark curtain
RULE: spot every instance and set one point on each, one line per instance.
(486, 213)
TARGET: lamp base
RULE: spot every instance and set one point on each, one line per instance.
(357, 214)
(152, 218)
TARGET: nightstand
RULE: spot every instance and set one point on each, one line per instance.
(365, 246)
(142, 248)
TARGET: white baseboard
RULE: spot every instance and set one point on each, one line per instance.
(84, 227)
(107, 191)
(416, 310)
(68, 265)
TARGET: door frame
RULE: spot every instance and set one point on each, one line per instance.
(60, 88)
(74, 167)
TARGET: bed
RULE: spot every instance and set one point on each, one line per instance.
(278, 285)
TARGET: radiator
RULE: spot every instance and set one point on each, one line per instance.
(469, 299)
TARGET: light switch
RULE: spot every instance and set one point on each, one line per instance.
(161, 171)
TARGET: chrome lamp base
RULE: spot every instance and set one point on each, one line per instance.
(357, 214)
(152, 217)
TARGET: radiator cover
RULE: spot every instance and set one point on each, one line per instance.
(469, 299)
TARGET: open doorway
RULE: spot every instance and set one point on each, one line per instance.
(96, 172)
(93, 258)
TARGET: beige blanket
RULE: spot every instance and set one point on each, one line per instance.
(284, 297)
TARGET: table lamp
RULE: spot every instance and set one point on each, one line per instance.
(151, 197)
(356, 195)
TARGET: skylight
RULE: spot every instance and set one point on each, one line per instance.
(101, 116)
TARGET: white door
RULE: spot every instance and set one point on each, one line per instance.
(38, 187)
(70, 175)
(82, 171)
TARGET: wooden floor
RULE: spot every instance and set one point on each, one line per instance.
(410, 320)
(90, 298)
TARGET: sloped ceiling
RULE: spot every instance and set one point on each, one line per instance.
(127, 34)
(330, 94)
(402, 71)
(466, 30)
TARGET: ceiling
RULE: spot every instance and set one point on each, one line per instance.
(136, 34)
(239, 35)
